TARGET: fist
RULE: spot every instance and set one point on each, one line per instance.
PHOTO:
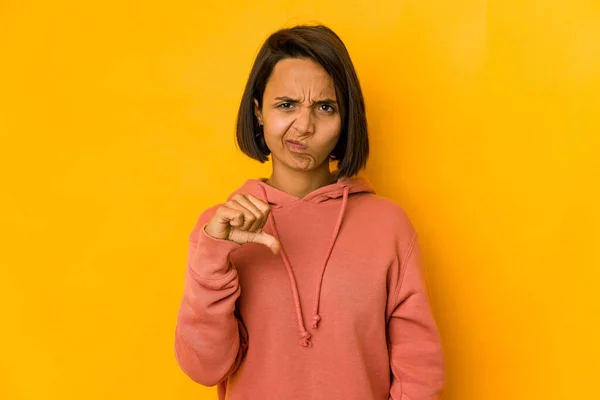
(241, 220)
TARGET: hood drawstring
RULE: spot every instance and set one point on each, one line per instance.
(304, 334)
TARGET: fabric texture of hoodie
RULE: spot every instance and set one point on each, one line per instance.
(341, 313)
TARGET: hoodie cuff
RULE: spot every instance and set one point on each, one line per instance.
(211, 258)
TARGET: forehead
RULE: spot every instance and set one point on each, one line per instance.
(294, 75)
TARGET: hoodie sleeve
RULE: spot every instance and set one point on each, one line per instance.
(209, 340)
(416, 358)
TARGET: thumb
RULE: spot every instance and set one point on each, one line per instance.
(266, 239)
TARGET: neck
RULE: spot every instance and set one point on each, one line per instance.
(300, 183)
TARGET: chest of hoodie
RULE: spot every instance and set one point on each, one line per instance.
(354, 290)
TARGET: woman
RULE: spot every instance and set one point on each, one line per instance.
(307, 285)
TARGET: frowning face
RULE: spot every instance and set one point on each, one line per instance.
(300, 114)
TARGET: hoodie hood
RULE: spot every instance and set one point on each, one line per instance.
(276, 198)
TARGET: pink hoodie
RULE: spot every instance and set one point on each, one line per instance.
(342, 313)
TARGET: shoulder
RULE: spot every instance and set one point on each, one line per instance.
(389, 213)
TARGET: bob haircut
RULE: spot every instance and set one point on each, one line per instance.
(320, 44)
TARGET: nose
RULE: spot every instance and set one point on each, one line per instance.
(304, 122)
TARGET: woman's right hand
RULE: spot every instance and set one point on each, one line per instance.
(241, 220)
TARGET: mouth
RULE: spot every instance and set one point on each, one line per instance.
(295, 145)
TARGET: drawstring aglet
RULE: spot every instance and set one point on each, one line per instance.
(305, 341)
(316, 319)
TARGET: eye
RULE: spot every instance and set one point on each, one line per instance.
(285, 106)
(327, 108)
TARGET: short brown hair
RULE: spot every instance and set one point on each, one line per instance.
(320, 44)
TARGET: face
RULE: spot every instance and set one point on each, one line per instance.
(300, 114)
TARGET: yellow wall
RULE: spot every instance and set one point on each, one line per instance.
(116, 131)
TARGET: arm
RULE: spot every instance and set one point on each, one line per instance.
(209, 340)
(416, 357)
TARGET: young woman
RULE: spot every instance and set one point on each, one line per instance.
(307, 285)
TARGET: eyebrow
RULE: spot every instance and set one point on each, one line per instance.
(291, 100)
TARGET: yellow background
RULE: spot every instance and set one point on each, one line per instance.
(116, 129)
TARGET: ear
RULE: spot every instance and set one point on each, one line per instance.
(258, 112)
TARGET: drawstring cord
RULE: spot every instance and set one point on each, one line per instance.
(316, 316)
